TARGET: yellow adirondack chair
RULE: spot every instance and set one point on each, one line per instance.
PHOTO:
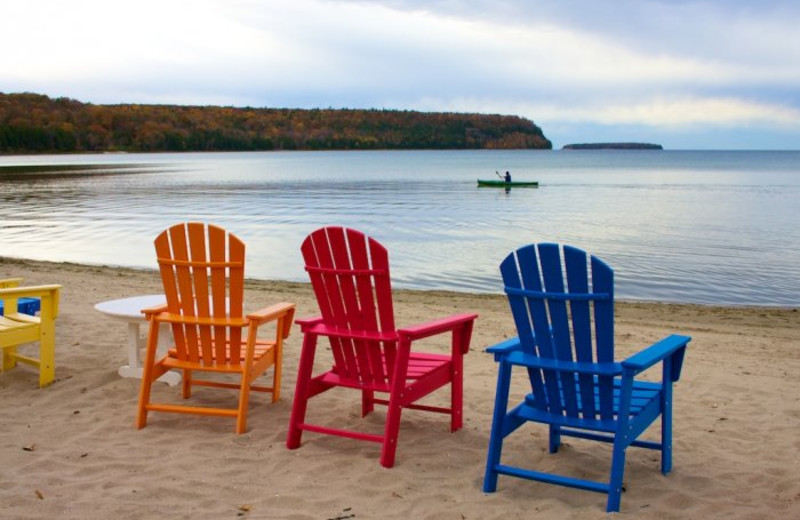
(202, 271)
(17, 328)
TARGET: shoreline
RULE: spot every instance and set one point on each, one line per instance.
(71, 450)
(49, 264)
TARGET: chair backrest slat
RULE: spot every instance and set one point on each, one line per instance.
(349, 273)
(370, 360)
(550, 259)
(199, 277)
(560, 316)
(168, 247)
(578, 283)
(327, 287)
(528, 313)
(202, 271)
(603, 281)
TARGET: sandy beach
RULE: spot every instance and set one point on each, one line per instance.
(71, 450)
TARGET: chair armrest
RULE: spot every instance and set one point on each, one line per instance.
(47, 293)
(10, 282)
(432, 328)
(673, 345)
(33, 291)
(274, 312)
(504, 347)
(306, 323)
(154, 310)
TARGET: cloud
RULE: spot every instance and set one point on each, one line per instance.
(645, 62)
(679, 113)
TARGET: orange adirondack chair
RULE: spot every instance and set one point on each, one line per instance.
(17, 327)
(350, 276)
(202, 271)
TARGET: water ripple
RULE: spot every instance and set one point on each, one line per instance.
(686, 227)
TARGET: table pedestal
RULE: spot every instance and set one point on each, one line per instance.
(134, 367)
(129, 310)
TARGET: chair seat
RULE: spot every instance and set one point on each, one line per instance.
(16, 329)
(17, 322)
(420, 365)
(644, 394)
(171, 360)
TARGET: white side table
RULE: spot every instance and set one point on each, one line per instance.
(129, 310)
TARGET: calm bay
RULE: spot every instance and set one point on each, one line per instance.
(711, 227)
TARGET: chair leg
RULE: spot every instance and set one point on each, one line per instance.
(391, 432)
(276, 372)
(496, 436)
(300, 403)
(367, 402)
(186, 387)
(617, 472)
(9, 361)
(456, 394)
(244, 401)
(147, 376)
(555, 438)
(298, 416)
(144, 397)
(666, 429)
(47, 360)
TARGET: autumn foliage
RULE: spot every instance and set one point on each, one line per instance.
(33, 123)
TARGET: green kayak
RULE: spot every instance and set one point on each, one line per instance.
(503, 184)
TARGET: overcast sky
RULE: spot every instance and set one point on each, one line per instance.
(714, 74)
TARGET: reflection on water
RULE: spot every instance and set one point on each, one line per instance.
(32, 171)
(707, 227)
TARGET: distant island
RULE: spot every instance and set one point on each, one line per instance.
(34, 123)
(613, 146)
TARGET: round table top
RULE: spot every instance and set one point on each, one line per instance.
(131, 308)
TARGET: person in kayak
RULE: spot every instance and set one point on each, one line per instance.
(507, 177)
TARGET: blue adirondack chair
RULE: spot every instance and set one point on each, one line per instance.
(562, 302)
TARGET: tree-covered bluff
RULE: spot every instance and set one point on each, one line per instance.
(33, 123)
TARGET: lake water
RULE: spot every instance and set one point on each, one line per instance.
(678, 226)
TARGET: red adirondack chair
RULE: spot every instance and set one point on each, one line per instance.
(350, 276)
